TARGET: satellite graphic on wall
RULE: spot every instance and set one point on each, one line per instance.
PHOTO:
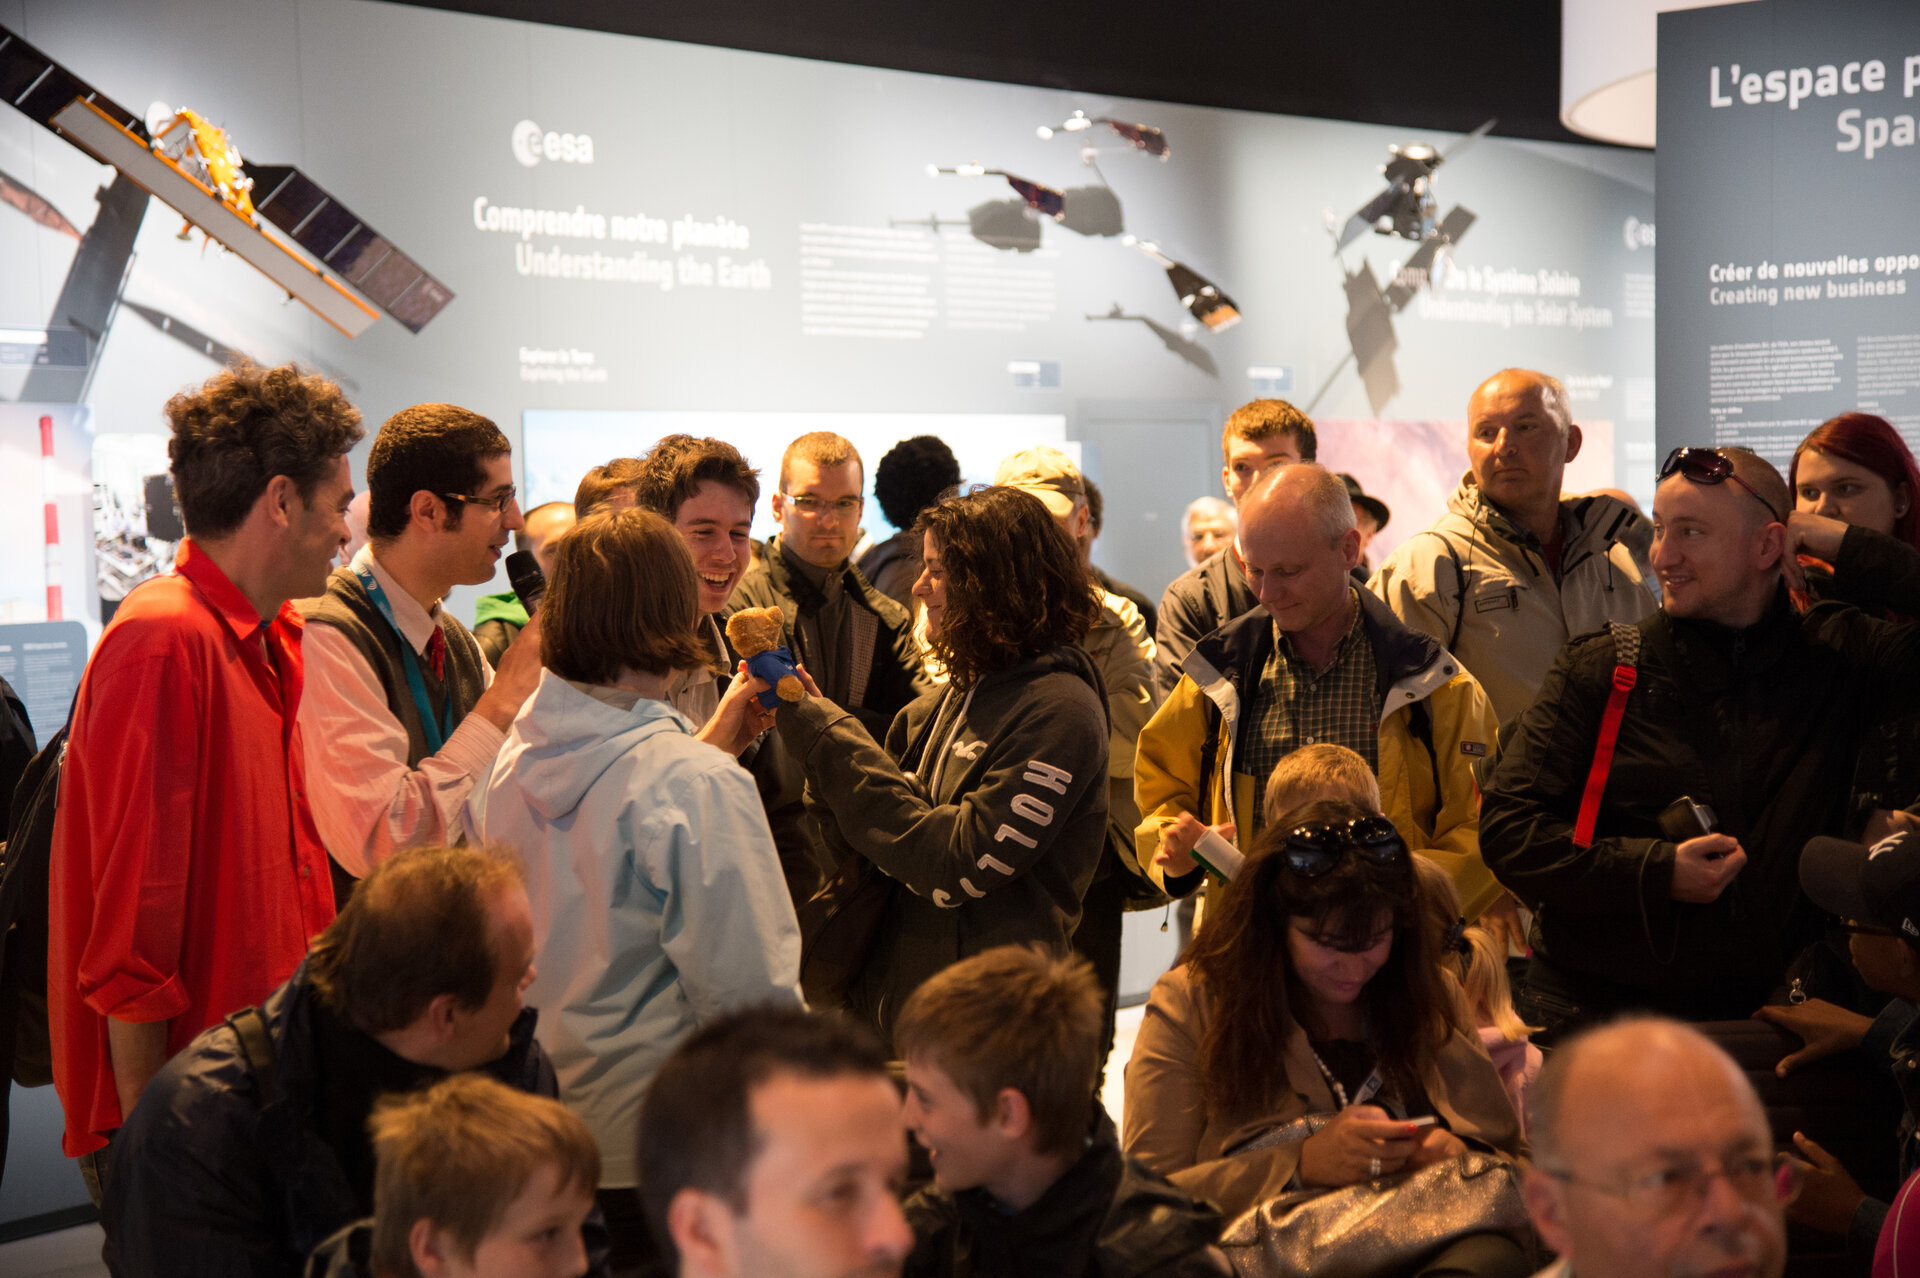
(274, 217)
(1407, 209)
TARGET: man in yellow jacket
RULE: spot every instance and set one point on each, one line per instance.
(1322, 661)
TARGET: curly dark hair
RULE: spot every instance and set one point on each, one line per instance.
(1015, 584)
(913, 475)
(679, 464)
(436, 448)
(1236, 956)
(246, 424)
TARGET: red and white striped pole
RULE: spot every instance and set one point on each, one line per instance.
(47, 484)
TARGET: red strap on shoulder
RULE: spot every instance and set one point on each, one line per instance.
(1624, 678)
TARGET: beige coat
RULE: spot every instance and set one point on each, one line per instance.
(1169, 1127)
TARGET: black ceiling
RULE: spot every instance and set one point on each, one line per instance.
(1436, 64)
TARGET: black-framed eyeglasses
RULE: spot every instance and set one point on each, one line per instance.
(1316, 847)
(1711, 466)
(497, 503)
(1681, 1188)
(814, 507)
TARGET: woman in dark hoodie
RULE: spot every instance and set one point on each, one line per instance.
(988, 802)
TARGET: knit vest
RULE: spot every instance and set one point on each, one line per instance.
(349, 609)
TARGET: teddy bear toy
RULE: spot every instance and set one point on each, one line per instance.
(755, 635)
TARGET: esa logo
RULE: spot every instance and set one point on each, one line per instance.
(531, 144)
(1637, 234)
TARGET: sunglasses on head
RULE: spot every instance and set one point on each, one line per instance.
(1316, 847)
(1711, 466)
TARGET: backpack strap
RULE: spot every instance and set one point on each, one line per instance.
(1459, 587)
(250, 1027)
(1626, 672)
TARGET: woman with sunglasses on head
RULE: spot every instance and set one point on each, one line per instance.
(987, 802)
(1309, 1021)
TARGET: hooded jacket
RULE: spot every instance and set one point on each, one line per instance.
(218, 1176)
(1435, 722)
(1761, 724)
(1106, 1217)
(658, 904)
(988, 804)
(1479, 583)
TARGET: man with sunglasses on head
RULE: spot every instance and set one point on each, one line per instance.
(1652, 1159)
(403, 714)
(856, 642)
(1320, 662)
(1735, 701)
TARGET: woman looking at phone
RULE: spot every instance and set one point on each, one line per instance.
(1309, 1040)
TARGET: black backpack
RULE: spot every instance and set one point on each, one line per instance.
(25, 861)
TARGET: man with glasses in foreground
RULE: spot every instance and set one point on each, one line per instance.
(1726, 697)
(856, 642)
(402, 713)
(1652, 1159)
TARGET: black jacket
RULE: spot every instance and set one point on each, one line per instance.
(1199, 602)
(1763, 725)
(893, 677)
(1106, 1217)
(1880, 575)
(209, 1181)
(988, 804)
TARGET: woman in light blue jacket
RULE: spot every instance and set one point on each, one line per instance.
(658, 900)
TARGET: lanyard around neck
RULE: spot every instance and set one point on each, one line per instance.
(436, 731)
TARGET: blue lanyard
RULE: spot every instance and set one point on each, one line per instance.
(437, 732)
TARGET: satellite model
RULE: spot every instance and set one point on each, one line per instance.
(1406, 209)
(1186, 348)
(325, 255)
(1141, 137)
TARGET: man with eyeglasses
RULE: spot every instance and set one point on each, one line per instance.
(1652, 1159)
(856, 642)
(403, 714)
(1728, 697)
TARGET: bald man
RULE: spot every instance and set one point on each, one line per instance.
(1319, 662)
(1738, 702)
(498, 618)
(1652, 1159)
(1514, 569)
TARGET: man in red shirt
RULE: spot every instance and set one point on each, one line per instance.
(187, 875)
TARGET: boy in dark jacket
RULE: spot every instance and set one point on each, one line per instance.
(1001, 1054)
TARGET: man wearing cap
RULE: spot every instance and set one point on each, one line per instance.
(1514, 569)
(1735, 701)
(1123, 652)
(1370, 515)
(1877, 890)
(855, 642)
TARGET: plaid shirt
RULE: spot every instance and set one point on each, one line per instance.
(1294, 706)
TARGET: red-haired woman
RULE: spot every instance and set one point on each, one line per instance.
(1856, 525)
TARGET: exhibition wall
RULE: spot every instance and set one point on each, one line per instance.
(1790, 237)
(641, 235)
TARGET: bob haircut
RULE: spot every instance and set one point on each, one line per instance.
(1015, 585)
(622, 596)
(1866, 440)
(1233, 960)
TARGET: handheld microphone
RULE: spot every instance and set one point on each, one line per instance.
(529, 583)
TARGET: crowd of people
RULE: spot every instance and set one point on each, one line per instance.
(585, 942)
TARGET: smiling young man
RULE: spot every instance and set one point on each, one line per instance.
(403, 714)
(1322, 661)
(856, 642)
(186, 875)
(1001, 1053)
(1738, 703)
(1258, 437)
(1514, 569)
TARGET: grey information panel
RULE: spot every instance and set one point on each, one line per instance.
(1788, 171)
(42, 660)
